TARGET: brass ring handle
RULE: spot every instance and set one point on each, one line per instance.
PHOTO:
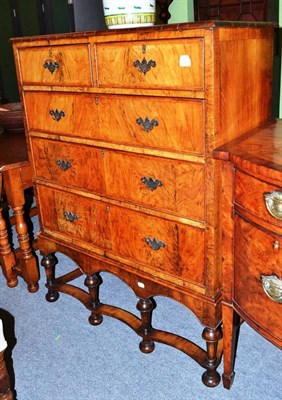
(273, 202)
(144, 66)
(151, 183)
(51, 65)
(64, 165)
(57, 115)
(155, 244)
(272, 286)
(70, 216)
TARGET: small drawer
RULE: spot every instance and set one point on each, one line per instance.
(163, 246)
(258, 276)
(129, 120)
(162, 64)
(253, 194)
(56, 65)
(163, 184)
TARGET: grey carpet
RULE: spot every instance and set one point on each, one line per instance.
(57, 355)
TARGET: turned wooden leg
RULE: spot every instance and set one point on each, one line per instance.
(231, 326)
(28, 263)
(5, 389)
(211, 377)
(93, 282)
(7, 256)
(49, 263)
(146, 307)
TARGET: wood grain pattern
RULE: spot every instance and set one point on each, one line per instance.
(71, 68)
(115, 64)
(119, 175)
(184, 133)
(255, 256)
(157, 103)
(103, 225)
(253, 237)
(250, 193)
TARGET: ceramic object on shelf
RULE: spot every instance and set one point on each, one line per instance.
(129, 13)
(11, 117)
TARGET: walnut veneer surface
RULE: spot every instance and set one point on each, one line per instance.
(120, 127)
(252, 267)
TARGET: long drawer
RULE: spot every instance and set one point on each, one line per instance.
(155, 182)
(159, 244)
(172, 124)
(65, 65)
(155, 64)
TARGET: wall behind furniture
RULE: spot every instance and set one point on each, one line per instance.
(181, 11)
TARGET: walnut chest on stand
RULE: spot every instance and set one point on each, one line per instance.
(120, 127)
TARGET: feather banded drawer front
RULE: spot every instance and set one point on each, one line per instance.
(120, 128)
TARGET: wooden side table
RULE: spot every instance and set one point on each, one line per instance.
(252, 241)
(15, 177)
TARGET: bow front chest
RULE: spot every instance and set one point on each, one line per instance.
(120, 128)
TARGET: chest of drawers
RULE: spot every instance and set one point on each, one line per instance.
(252, 276)
(120, 127)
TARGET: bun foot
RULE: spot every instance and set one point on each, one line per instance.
(33, 288)
(11, 283)
(95, 319)
(52, 296)
(147, 347)
(210, 378)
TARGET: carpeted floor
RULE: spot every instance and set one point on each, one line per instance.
(57, 355)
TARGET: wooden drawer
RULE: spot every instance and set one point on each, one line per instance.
(257, 253)
(65, 65)
(163, 184)
(170, 124)
(126, 234)
(250, 194)
(161, 64)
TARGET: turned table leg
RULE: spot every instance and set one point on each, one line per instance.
(211, 377)
(7, 256)
(93, 282)
(146, 307)
(27, 261)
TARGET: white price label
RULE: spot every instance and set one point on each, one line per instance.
(185, 61)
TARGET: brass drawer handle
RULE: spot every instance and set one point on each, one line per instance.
(144, 66)
(272, 286)
(57, 115)
(64, 165)
(155, 244)
(273, 202)
(51, 65)
(70, 216)
(151, 183)
(147, 124)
